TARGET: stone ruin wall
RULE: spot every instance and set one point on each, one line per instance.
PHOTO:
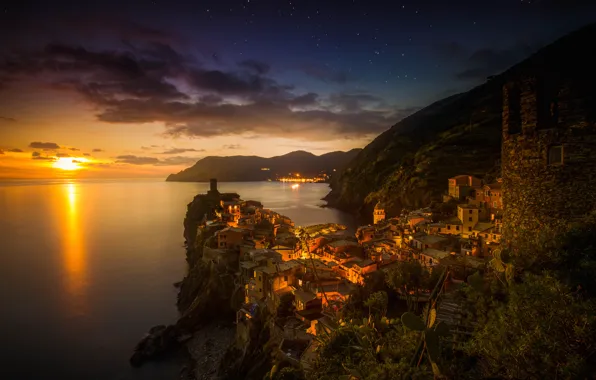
(541, 199)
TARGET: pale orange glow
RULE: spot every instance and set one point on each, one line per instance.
(68, 163)
(74, 253)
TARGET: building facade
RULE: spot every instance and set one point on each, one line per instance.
(378, 213)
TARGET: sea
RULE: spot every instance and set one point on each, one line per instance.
(88, 266)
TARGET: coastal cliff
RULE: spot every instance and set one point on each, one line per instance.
(205, 293)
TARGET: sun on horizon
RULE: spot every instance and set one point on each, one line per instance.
(68, 163)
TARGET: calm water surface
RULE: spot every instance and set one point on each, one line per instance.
(86, 267)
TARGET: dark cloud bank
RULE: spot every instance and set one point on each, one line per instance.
(142, 84)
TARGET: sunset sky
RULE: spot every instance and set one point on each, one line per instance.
(144, 89)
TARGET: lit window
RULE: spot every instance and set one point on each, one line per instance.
(555, 155)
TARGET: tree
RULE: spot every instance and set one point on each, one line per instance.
(408, 279)
(543, 330)
(377, 304)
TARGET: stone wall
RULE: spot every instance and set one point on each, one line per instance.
(540, 198)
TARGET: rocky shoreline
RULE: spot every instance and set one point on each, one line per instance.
(207, 348)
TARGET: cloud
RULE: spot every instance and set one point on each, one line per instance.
(96, 150)
(177, 160)
(7, 119)
(232, 146)
(325, 74)
(1, 151)
(355, 101)
(86, 154)
(486, 62)
(304, 100)
(74, 149)
(144, 84)
(44, 145)
(38, 156)
(136, 160)
(257, 67)
(16, 150)
(181, 150)
(140, 160)
(62, 155)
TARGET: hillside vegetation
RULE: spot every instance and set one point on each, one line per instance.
(408, 165)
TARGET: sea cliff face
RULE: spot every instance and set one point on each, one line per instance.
(207, 289)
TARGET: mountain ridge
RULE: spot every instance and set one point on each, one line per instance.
(249, 168)
(407, 165)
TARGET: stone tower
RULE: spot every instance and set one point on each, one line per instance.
(548, 155)
(379, 213)
(213, 188)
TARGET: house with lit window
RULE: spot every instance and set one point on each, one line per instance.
(274, 276)
(470, 215)
(452, 226)
(231, 237)
(357, 270)
(493, 197)
(341, 251)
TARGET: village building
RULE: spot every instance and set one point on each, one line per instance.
(424, 241)
(231, 238)
(493, 197)
(378, 213)
(431, 256)
(357, 270)
(365, 233)
(462, 186)
(289, 252)
(341, 251)
(271, 278)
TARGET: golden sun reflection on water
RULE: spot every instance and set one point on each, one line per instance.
(74, 252)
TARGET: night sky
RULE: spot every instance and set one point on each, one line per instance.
(145, 88)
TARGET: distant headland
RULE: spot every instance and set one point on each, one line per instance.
(295, 166)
